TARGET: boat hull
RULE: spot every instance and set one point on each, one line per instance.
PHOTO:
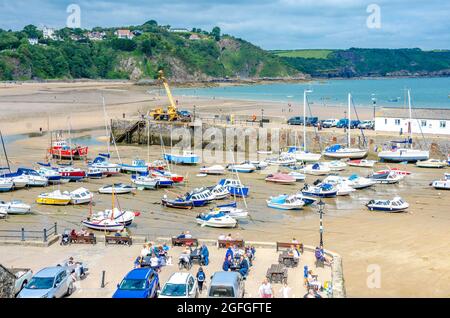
(52, 201)
(404, 155)
(184, 160)
(346, 154)
(100, 227)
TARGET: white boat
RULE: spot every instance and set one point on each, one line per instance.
(144, 182)
(3, 213)
(20, 182)
(323, 190)
(125, 218)
(431, 163)
(395, 205)
(52, 175)
(402, 153)
(303, 156)
(284, 159)
(118, 188)
(95, 173)
(136, 166)
(242, 168)
(357, 182)
(106, 167)
(34, 178)
(308, 200)
(219, 220)
(442, 184)
(213, 170)
(317, 169)
(297, 175)
(80, 196)
(386, 178)
(340, 152)
(6, 184)
(15, 207)
(219, 192)
(260, 165)
(343, 187)
(231, 210)
(361, 163)
(335, 165)
(103, 225)
(285, 202)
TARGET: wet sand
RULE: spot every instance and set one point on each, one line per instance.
(411, 249)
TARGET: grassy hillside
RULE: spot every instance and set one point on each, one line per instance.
(368, 62)
(184, 56)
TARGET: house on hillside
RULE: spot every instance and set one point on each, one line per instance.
(194, 37)
(48, 33)
(124, 34)
(96, 36)
(7, 281)
(425, 121)
(33, 41)
(179, 30)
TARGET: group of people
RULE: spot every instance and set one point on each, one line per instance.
(239, 259)
(158, 256)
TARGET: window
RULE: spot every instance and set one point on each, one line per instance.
(397, 122)
(423, 123)
(442, 124)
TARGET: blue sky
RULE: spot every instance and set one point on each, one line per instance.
(275, 24)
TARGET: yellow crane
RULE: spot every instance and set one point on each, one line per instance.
(159, 113)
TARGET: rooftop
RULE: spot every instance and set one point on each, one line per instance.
(417, 113)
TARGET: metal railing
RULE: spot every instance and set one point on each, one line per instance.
(30, 235)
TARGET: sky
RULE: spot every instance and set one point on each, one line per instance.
(270, 24)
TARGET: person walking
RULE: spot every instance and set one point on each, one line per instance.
(201, 277)
(265, 290)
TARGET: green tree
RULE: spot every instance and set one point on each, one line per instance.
(123, 45)
(216, 33)
(32, 31)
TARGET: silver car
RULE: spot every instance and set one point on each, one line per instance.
(50, 282)
(180, 285)
(226, 285)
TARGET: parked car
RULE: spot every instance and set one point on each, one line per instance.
(180, 285)
(328, 123)
(226, 285)
(312, 121)
(295, 120)
(354, 124)
(50, 282)
(139, 283)
(342, 123)
(22, 277)
(185, 115)
(367, 124)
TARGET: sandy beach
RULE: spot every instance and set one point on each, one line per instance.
(410, 249)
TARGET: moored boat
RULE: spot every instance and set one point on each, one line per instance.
(395, 205)
(281, 178)
(339, 152)
(52, 176)
(232, 210)
(6, 184)
(218, 220)
(386, 178)
(364, 163)
(103, 225)
(125, 218)
(335, 165)
(54, 198)
(285, 159)
(118, 188)
(213, 170)
(175, 178)
(324, 190)
(431, 163)
(317, 169)
(358, 183)
(71, 173)
(285, 202)
(242, 168)
(15, 207)
(219, 192)
(136, 166)
(297, 176)
(442, 184)
(178, 203)
(107, 168)
(144, 182)
(61, 149)
(343, 186)
(95, 173)
(80, 196)
(186, 158)
(235, 187)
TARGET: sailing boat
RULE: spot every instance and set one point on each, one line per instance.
(304, 155)
(405, 154)
(338, 151)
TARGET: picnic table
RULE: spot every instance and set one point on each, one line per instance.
(230, 243)
(277, 273)
(184, 241)
(196, 256)
(83, 239)
(125, 240)
(287, 259)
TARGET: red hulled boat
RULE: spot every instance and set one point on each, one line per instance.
(62, 150)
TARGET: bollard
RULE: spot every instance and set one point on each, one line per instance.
(56, 228)
(23, 234)
(103, 279)
(45, 235)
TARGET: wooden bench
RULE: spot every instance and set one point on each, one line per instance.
(283, 245)
(83, 239)
(277, 274)
(184, 241)
(287, 260)
(230, 243)
(125, 240)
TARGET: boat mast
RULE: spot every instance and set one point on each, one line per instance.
(106, 125)
(349, 119)
(410, 118)
(4, 151)
(304, 120)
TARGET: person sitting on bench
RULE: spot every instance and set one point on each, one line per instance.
(205, 254)
(243, 267)
(227, 264)
(320, 256)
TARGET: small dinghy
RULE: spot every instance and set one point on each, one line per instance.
(175, 178)
(80, 196)
(440, 184)
(357, 182)
(285, 202)
(125, 218)
(324, 190)
(243, 168)
(363, 163)
(395, 205)
(235, 187)
(144, 182)
(396, 170)
(232, 210)
(386, 178)
(336, 165)
(285, 159)
(95, 173)
(343, 186)
(219, 192)
(317, 169)
(118, 188)
(15, 207)
(6, 184)
(282, 178)
(213, 170)
(218, 220)
(54, 198)
(299, 177)
(308, 200)
(136, 166)
(431, 163)
(178, 203)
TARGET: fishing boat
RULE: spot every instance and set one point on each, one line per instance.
(335, 165)
(400, 154)
(52, 175)
(343, 187)
(217, 220)
(175, 178)
(163, 182)
(106, 167)
(299, 177)
(431, 163)
(282, 178)
(386, 178)
(395, 205)
(54, 198)
(396, 170)
(358, 183)
(157, 165)
(80, 196)
(284, 160)
(61, 149)
(136, 166)
(6, 184)
(95, 173)
(144, 182)
(118, 188)
(186, 158)
(232, 210)
(71, 173)
(285, 202)
(235, 187)
(219, 192)
(323, 190)
(213, 170)
(32, 177)
(125, 218)
(200, 197)
(245, 167)
(339, 151)
(15, 207)
(361, 163)
(440, 184)
(178, 203)
(317, 169)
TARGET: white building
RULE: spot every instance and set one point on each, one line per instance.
(33, 41)
(48, 33)
(425, 120)
(179, 30)
(124, 34)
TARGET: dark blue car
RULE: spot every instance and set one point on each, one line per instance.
(139, 283)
